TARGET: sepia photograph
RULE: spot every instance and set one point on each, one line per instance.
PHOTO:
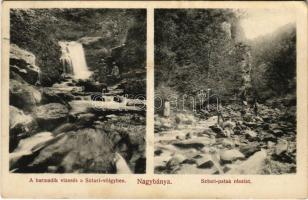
(77, 90)
(154, 99)
(225, 91)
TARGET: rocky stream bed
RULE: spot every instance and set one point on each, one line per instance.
(249, 144)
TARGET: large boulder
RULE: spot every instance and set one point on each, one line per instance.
(21, 125)
(22, 62)
(50, 96)
(24, 96)
(256, 164)
(84, 151)
(51, 115)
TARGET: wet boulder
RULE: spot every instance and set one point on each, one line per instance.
(24, 96)
(21, 125)
(51, 115)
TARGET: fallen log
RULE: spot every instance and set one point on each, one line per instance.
(83, 106)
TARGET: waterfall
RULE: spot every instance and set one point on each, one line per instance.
(73, 60)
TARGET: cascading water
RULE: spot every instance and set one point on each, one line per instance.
(73, 60)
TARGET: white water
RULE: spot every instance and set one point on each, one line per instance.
(73, 60)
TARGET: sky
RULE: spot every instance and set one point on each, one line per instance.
(258, 22)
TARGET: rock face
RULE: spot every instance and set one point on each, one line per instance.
(21, 125)
(22, 62)
(24, 96)
(49, 116)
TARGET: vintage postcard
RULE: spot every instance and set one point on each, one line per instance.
(154, 99)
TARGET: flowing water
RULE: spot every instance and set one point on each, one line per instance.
(75, 66)
(73, 60)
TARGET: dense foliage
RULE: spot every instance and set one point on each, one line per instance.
(200, 49)
(274, 61)
(196, 50)
(32, 30)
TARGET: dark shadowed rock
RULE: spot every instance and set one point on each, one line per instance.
(85, 119)
(205, 162)
(16, 77)
(50, 96)
(158, 152)
(217, 129)
(268, 137)
(190, 144)
(250, 149)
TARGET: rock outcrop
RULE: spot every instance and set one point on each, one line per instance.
(23, 63)
(24, 96)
